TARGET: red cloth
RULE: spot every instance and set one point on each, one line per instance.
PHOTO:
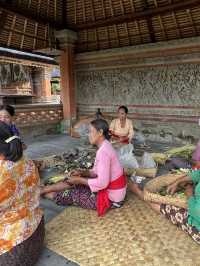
(196, 166)
(125, 141)
(103, 202)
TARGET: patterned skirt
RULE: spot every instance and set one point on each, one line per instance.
(179, 217)
(27, 253)
(80, 196)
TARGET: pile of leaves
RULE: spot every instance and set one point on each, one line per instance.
(59, 166)
(79, 159)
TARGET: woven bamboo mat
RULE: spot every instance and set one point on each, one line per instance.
(133, 235)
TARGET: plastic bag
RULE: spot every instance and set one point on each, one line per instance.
(83, 130)
(126, 157)
(139, 139)
(147, 161)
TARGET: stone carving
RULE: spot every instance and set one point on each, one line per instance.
(12, 75)
(167, 85)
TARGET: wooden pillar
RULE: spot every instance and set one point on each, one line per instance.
(67, 40)
(46, 82)
(42, 83)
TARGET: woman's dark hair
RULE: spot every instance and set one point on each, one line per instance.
(101, 124)
(124, 108)
(13, 150)
(9, 108)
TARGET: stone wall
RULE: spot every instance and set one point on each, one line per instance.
(38, 119)
(161, 89)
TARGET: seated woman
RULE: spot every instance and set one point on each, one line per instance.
(187, 220)
(121, 128)
(102, 187)
(7, 113)
(21, 224)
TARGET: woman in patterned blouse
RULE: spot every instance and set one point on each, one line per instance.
(21, 217)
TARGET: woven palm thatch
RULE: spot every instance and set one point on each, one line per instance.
(132, 235)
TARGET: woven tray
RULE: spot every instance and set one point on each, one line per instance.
(156, 184)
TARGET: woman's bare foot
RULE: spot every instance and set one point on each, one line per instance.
(60, 186)
(136, 190)
(155, 206)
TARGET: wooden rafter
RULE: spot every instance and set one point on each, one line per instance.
(125, 24)
(138, 15)
(160, 22)
(3, 18)
(192, 22)
(177, 25)
(47, 10)
(23, 36)
(95, 30)
(75, 12)
(149, 22)
(10, 32)
(64, 10)
(115, 26)
(104, 16)
(27, 14)
(136, 22)
(55, 10)
(38, 7)
(35, 39)
(29, 3)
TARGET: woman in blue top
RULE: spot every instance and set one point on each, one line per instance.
(7, 113)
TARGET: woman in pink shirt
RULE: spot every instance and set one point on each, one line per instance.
(100, 188)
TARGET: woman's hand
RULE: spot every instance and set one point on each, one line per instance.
(172, 188)
(77, 180)
(77, 172)
(81, 173)
(74, 180)
(189, 190)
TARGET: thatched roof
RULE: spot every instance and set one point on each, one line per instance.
(101, 24)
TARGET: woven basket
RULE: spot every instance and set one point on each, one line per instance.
(156, 184)
(146, 172)
(26, 253)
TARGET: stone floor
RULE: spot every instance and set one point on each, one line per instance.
(41, 147)
(48, 257)
(50, 144)
(57, 144)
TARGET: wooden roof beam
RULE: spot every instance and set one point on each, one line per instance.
(64, 13)
(149, 22)
(138, 15)
(27, 14)
(3, 17)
